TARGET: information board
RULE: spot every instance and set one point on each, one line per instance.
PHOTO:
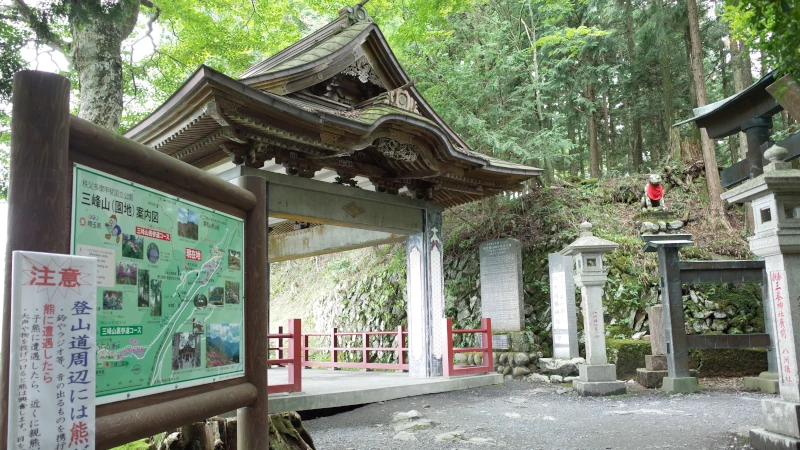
(169, 286)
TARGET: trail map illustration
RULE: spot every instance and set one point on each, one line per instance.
(170, 286)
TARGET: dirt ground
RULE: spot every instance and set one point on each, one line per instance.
(523, 415)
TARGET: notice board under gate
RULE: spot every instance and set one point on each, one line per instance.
(182, 268)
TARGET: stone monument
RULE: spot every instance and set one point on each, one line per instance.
(562, 307)
(501, 284)
(597, 377)
(775, 200)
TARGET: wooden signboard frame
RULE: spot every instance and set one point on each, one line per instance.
(45, 143)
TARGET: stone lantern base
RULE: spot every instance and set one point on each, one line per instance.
(765, 382)
(598, 380)
(682, 385)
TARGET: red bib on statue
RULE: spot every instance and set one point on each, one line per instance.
(655, 192)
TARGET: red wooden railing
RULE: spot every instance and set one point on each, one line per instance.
(400, 348)
(487, 366)
(292, 361)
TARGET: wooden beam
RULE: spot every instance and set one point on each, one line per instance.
(325, 239)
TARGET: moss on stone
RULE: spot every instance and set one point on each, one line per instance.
(730, 362)
(627, 354)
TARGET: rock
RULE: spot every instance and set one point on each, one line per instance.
(417, 424)
(571, 379)
(720, 315)
(495, 357)
(507, 370)
(539, 377)
(637, 336)
(662, 226)
(556, 379)
(638, 321)
(648, 228)
(404, 436)
(471, 359)
(460, 358)
(508, 378)
(449, 436)
(481, 441)
(693, 296)
(478, 359)
(521, 359)
(521, 371)
(719, 325)
(410, 415)
(563, 367)
(503, 358)
(675, 225)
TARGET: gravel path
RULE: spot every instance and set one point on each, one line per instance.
(522, 415)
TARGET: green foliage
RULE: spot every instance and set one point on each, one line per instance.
(771, 26)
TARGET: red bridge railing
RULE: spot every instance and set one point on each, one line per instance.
(487, 366)
(290, 343)
(400, 347)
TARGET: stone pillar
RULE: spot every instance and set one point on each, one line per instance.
(757, 132)
(562, 307)
(775, 200)
(597, 377)
(768, 381)
(425, 287)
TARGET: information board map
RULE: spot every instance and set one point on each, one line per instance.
(170, 287)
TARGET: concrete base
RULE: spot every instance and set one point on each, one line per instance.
(782, 417)
(765, 382)
(599, 388)
(653, 379)
(761, 439)
(655, 362)
(686, 385)
(329, 389)
(590, 373)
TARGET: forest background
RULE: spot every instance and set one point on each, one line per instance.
(581, 88)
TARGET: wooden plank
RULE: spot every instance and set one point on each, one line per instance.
(39, 194)
(127, 426)
(729, 341)
(99, 143)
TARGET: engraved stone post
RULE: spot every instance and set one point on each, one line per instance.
(775, 199)
(562, 307)
(501, 284)
(597, 377)
(425, 287)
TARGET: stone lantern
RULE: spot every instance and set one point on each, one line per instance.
(775, 199)
(597, 377)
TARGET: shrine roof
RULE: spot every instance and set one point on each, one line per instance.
(334, 104)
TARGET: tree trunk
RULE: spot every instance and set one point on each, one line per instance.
(742, 78)
(636, 122)
(709, 155)
(594, 147)
(97, 49)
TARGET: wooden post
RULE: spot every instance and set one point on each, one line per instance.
(486, 324)
(39, 193)
(253, 421)
(401, 357)
(280, 345)
(334, 352)
(295, 369)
